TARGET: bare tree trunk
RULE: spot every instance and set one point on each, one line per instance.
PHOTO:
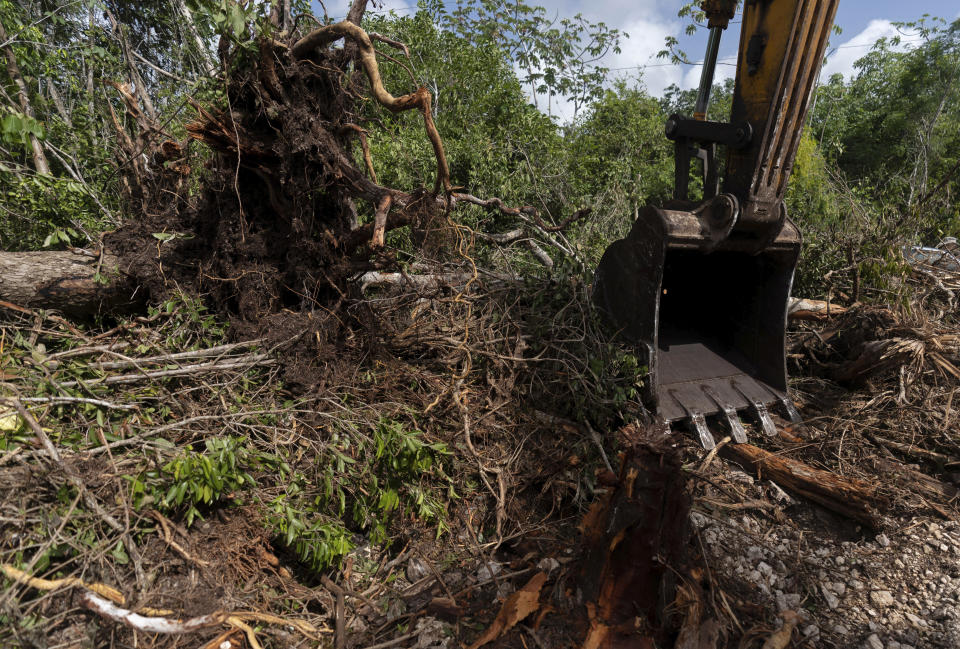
(88, 64)
(139, 86)
(58, 102)
(39, 159)
(78, 283)
(355, 14)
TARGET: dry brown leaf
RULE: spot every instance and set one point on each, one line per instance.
(515, 608)
(781, 637)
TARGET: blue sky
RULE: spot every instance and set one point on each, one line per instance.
(648, 22)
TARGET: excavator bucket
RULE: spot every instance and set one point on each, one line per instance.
(708, 316)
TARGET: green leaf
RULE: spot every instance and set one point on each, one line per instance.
(119, 554)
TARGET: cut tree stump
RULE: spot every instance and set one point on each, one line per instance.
(78, 283)
(636, 540)
(849, 497)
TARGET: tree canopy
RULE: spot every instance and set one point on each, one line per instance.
(884, 140)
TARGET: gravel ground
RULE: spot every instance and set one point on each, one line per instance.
(893, 590)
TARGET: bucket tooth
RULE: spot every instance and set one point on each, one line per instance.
(736, 426)
(766, 422)
(792, 413)
(699, 423)
(730, 414)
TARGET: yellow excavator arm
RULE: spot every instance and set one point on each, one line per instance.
(701, 286)
(782, 44)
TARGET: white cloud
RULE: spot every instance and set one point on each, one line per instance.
(639, 53)
(840, 59)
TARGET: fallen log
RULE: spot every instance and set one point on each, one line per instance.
(78, 283)
(82, 283)
(848, 497)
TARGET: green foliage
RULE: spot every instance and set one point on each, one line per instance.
(613, 157)
(618, 161)
(65, 53)
(195, 479)
(402, 455)
(356, 482)
(16, 128)
(37, 209)
(894, 129)
(677, 100)
(231, 18)
(45, 211)
(874, 168)
(317, 541)
(557, 57)
(363, 483)
(391, 477)
(192, 325)
(490, 130)
(815, 205)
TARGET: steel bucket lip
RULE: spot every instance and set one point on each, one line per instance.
(733, 388)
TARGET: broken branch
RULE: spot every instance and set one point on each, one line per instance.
(803, 309)
(380, 221)
(849, 497)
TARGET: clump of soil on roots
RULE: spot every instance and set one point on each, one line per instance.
(272, 235)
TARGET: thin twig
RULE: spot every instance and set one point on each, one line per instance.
(74, 478)
(239, 362)
(60, 401)
(219, 350)
(393, 643)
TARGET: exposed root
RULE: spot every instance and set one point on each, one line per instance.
(139, 622)
(420, 98)
(108, 602)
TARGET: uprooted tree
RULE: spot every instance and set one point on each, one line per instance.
(286, 218)
(279, 219)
